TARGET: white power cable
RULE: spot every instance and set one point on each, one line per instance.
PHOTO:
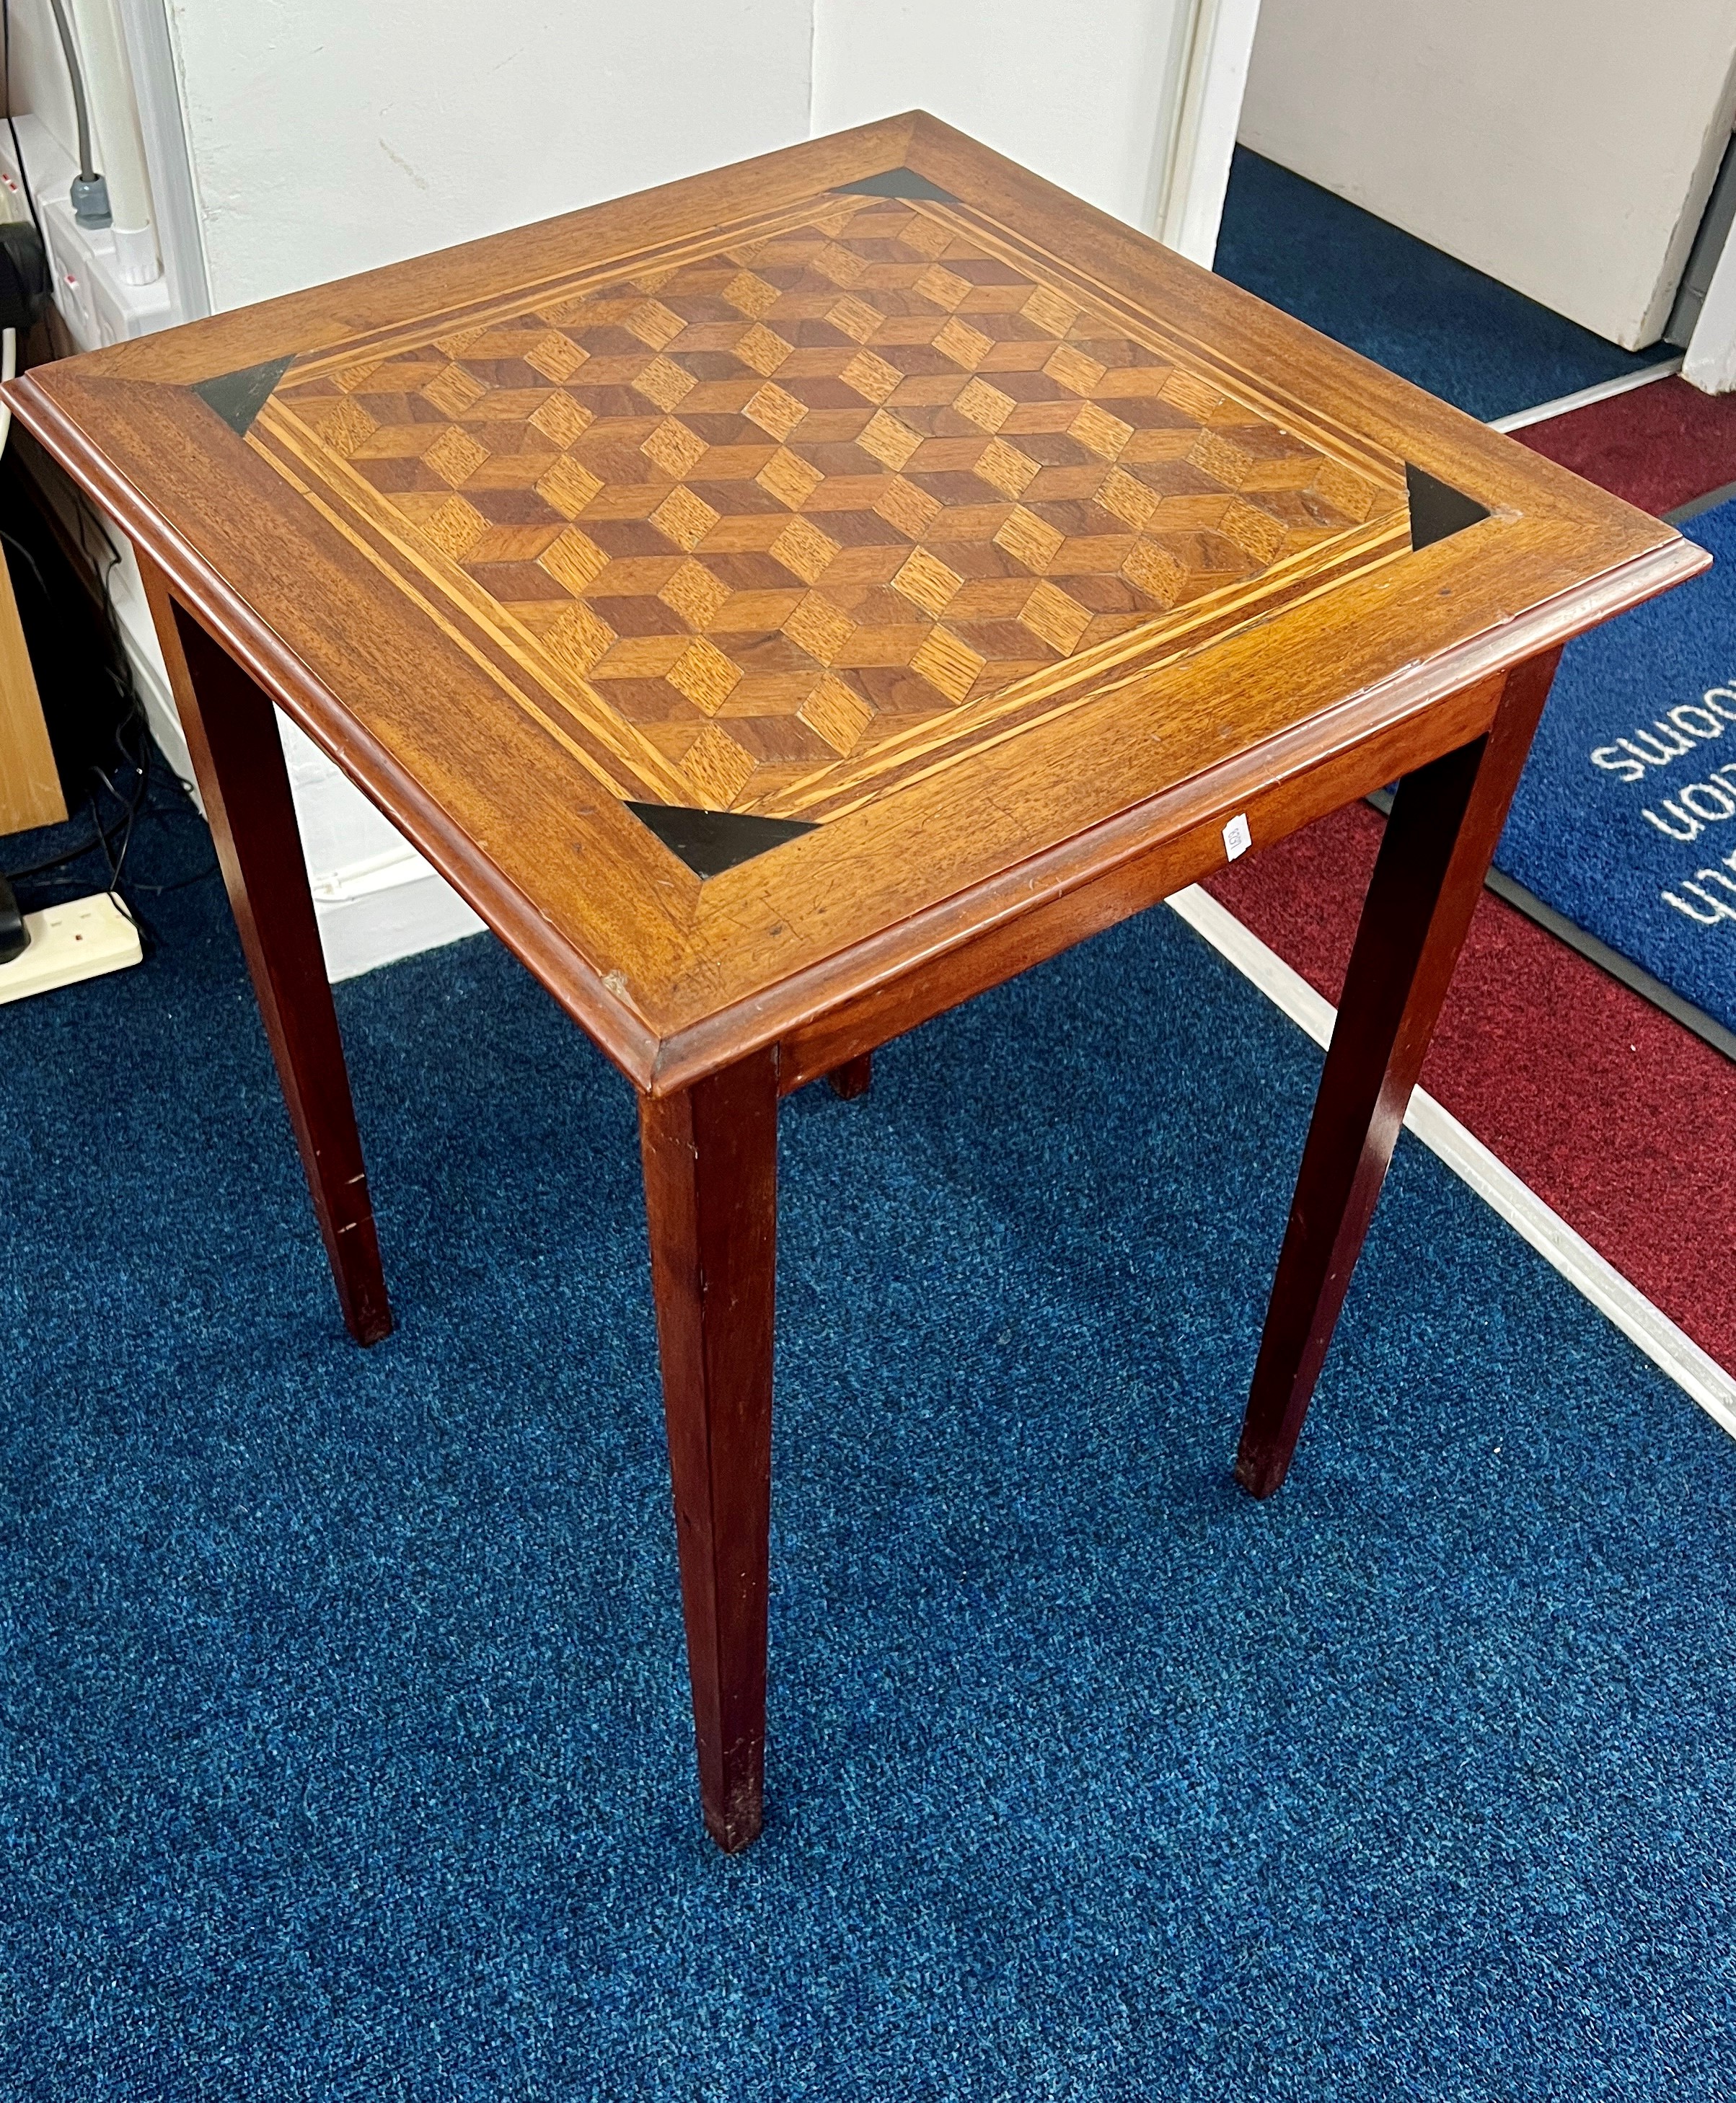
(8, 371)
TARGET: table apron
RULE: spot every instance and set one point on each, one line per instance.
(817, 1047)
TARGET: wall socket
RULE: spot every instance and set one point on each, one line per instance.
(81, 940)
(95, 302)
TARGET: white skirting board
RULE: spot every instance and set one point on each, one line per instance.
(1697, 1374)
(1564, 405)
(375, 911)
(376, 899)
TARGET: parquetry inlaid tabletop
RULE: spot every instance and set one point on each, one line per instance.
(779, 524)
(874, 492)
(792, 602)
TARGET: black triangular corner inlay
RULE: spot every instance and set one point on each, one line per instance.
(896, 182)
(239, 396)
(1437, 510)
(709, 841)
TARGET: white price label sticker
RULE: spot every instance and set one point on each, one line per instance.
(1237, 837)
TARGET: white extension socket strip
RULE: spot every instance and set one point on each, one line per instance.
(97, 304)
(78, 941)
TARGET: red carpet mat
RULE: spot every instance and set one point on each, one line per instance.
(1616, 1116)
(1659, 446)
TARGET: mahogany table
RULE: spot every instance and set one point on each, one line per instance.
(787, 602)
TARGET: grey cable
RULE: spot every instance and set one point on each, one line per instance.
(90, 193)
(81, 108)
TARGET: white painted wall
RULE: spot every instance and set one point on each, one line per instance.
(1565, 147)
(39, 72)
(328, 137)
(1129, 104)
(1077, 90)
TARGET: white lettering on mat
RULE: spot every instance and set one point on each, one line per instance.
(1672, 733)
(1715, 908)
(1709, 897)
(1691, 810)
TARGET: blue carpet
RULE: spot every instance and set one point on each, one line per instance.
(1472, 340)
(1623, 821)
(344, 1742)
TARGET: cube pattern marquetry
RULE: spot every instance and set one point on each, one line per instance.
(780, 518)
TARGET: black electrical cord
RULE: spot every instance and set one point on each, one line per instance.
(101, 838)
(24, 555)
(55, 861)
(127, 780)
(138, 759)
(147, 755)
(84, 847)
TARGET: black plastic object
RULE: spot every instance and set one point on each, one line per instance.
(709, 841)
(15, 937)
(896, 182)
(239, 396)
(25, 282)
(1437, 510)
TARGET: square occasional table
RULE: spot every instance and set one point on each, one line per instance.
(789, 602)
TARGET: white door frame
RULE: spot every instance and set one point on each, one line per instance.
(1202, 127)
(1710, 361)
(145, 24)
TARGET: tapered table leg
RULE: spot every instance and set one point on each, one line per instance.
(710, 1156)
(1445, 821)
(853, 1079)
(231, 734)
